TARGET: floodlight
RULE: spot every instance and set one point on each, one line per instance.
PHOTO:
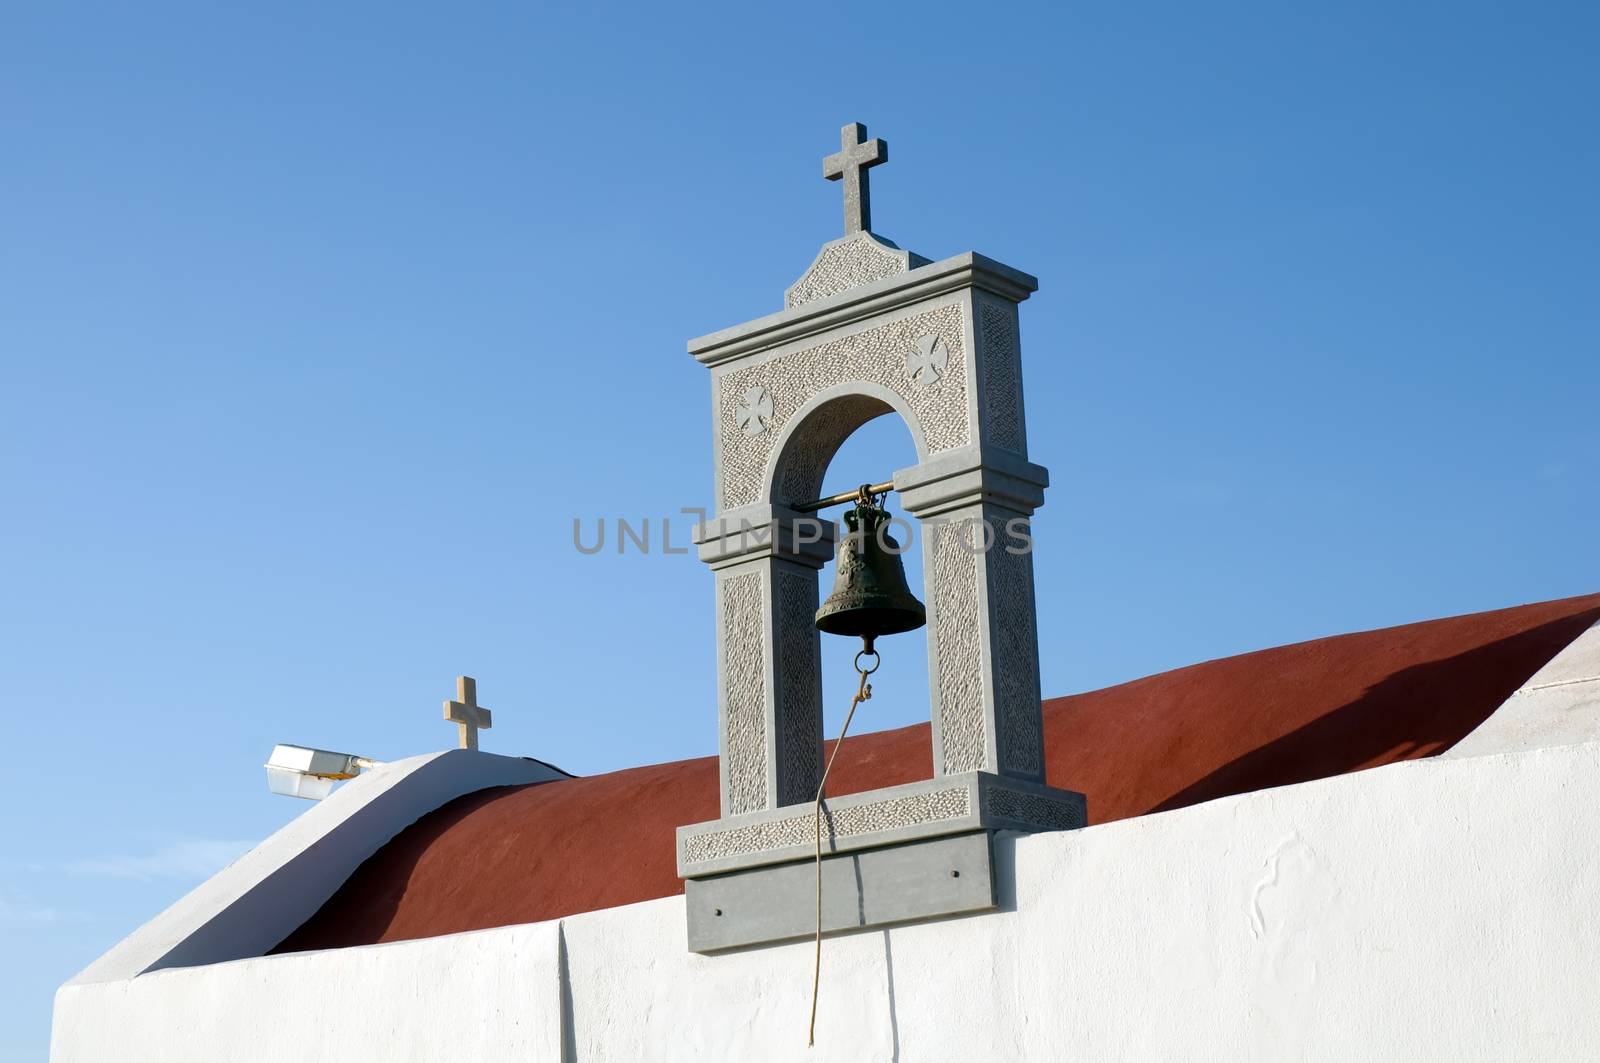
(299, 771)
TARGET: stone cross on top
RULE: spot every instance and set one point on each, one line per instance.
(466, 713)
(850, 163)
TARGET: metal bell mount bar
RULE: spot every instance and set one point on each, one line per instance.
(844, 496)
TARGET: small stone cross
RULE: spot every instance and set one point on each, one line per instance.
(753, 411)
(850, 164)
(466, 713)
(927, 361)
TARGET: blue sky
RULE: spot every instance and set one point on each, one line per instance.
(319, 327)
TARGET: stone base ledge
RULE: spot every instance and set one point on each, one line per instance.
(914, 881)
(950, 804)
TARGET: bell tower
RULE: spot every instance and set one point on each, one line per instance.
(870, 330)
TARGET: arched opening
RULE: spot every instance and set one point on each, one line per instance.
(843, 441)
(807, 446)
(900, 686)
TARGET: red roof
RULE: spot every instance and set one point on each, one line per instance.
(519, 854)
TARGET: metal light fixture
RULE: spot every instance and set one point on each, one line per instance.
(299, 771)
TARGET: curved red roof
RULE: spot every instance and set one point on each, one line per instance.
(520, 854)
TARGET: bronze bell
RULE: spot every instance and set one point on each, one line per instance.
(870, 596)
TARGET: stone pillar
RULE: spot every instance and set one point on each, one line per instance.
(983, 641)
(769, 686)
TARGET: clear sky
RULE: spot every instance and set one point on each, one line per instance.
(319, 325)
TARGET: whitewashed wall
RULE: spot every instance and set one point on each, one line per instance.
(253, 903)
(1445, 909)
(1558, 706)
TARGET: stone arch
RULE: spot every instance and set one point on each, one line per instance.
(939, 347)
(875, 361)
(806, 446)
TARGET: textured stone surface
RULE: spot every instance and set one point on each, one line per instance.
(1016, 660)
(876, 355)
(744, 745)
(803, 461)
(848, 263)
(945, 803)
(1035, 811)
(800, 750)
(958, 652)
(1002, 377)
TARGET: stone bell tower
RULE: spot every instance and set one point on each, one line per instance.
(870, 330)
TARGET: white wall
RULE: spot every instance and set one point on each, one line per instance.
(1442, 909)
(468, 997)
(1559, 705)
(256, 901)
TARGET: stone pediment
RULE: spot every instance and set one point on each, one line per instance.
(849, 262)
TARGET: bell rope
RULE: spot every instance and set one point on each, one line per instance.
(863, 692)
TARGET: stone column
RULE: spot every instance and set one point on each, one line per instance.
(768, 653)
(983, 641)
